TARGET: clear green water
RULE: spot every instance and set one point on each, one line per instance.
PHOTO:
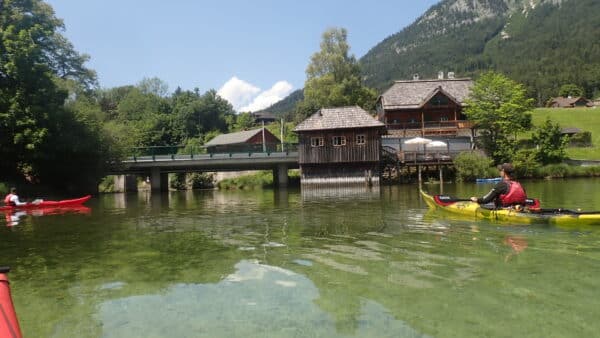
(291, 264)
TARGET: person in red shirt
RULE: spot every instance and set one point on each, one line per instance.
(506, 193)
(12, 199)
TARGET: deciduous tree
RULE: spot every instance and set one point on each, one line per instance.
(333, 77)
(500, 109)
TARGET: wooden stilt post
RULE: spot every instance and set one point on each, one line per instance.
(441, 180)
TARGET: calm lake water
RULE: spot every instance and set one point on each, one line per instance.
(330, 263)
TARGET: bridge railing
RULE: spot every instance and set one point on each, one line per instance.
(181, 152)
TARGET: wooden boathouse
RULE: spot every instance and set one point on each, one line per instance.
(340, 146)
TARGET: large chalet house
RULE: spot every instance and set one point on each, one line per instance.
(340, 146)
(425, 107)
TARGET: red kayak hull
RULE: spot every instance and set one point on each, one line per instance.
(48, 204)
(9, 325)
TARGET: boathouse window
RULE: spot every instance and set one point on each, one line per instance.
(316, 142)
(339, 140)
(361, 139)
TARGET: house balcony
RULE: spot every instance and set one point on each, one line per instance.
(430, 128)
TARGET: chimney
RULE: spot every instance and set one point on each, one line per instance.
(440, 75)
(416, 77)
(451, 75)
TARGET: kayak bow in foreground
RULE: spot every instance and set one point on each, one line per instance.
(469, 209)
(9, 325)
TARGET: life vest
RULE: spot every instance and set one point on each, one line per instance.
(7, 200)
(515, 195)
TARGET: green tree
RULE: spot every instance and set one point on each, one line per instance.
(500, 109)
(34, 59)
(333, 77)
(243, 121)
(572, 90)
(550, 143)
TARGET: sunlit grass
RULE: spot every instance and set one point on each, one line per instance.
(586, 119)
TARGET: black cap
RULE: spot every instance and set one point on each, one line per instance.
(507, 168)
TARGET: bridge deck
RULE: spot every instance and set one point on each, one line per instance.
(207, 162)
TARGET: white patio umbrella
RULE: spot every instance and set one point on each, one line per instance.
(436, 144)
(418, 140)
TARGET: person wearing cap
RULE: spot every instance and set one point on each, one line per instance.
(12, 199)
(506, 193)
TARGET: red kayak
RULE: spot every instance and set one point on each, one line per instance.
(48, 204)
(9, 325)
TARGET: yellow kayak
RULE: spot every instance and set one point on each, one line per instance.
(534, 215)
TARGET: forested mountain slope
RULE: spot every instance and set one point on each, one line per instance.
(543, 44)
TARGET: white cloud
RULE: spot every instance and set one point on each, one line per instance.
(246, 97)
(238, 92)
(279, 91)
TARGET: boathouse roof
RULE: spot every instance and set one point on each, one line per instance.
(339, 118)
(415, 93)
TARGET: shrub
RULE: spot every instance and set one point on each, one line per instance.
(583, 139)
(107, 184)
(261, 179)
(183, 181)
(525, 162)
(471, 165)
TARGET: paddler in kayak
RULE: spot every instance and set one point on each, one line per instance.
(12, 199)
(506, 193)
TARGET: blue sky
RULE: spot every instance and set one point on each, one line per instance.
(252, 52)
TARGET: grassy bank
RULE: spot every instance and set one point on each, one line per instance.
(262, 179)
(586, 119)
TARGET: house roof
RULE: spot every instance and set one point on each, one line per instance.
(415, 93)
(234, 138)
(264, 115)
(339, 118)
(567, 101)
(570, 130)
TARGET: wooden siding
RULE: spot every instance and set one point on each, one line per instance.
(348, 153)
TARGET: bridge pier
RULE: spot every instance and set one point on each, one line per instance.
(125, 183)
(280, 175)
(158, 181)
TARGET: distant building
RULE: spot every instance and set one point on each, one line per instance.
(265, 117)
(569, 102)
(243, 141)
(426, 107)
(340, 146)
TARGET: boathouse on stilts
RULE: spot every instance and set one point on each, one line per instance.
(340, 146)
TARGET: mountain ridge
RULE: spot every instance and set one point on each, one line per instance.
(540, 43)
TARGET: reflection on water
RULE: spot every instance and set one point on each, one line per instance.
(287, 263)
(340, 192)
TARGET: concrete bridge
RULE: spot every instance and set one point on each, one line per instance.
(157, 167)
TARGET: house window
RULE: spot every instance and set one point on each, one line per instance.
(444, 118)
(361, 139)
(339, 140)
(316, 142)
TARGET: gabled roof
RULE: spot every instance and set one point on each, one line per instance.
(568, 101)
(339, 118)
(234, 138)
(264, 115)
(415, 93)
